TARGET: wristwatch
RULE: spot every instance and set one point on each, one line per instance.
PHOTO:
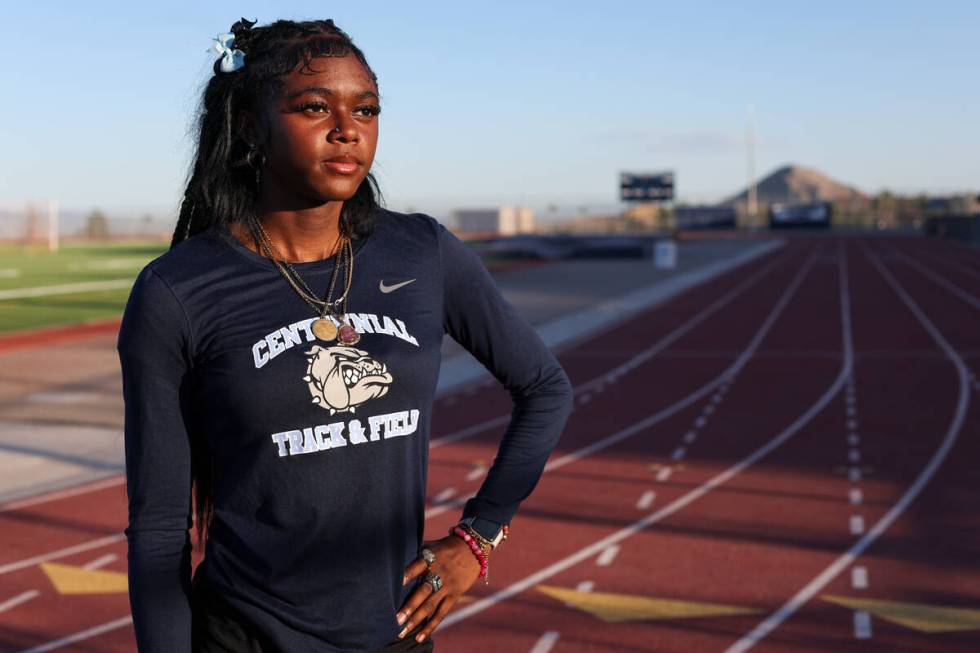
(489, 530)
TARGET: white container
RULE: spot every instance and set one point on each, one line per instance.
(665, 254)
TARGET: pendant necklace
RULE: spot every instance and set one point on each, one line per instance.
(323, 327)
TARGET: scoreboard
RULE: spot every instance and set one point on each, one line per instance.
(645, 187)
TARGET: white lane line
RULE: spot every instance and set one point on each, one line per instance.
(862, 625)
(637, 359)
(729, 373)
(690, 437)
(664, 473)
(959, 266)
(477, 472)
(700, 422)
(79, 636)
(852, 424)
(23, 597)
(675, 506)
(117, 479)
(717, 398)
(853, 439)
(102, 561)
(859, 575)
(61, 553)
(859, 578)
(646, 500)
(65, 289)
(585, 586)
(445, 494)
(856, 524)
(942, 281)
(608, 555)
(678, 504)
(546, 642)
(952, 432)
(64, 398)
(470, 431)
(678, 453)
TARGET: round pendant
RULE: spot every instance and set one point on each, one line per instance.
(324, 329)
(348, 335)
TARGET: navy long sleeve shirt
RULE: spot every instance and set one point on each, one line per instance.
(320, 450)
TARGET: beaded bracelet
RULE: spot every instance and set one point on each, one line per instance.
(477, 551)
(484, 543)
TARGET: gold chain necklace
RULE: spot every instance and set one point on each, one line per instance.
(309, 296)
(323, 328)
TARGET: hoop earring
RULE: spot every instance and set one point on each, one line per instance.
(255, 153)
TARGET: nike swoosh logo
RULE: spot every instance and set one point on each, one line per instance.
(396, 286)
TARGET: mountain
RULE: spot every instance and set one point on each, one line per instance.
(794, 183)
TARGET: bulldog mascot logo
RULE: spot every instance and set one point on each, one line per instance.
(342, 378)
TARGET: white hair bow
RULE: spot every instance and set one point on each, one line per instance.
(231, 60)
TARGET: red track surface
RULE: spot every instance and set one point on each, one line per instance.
(57, 334)
(744, 405)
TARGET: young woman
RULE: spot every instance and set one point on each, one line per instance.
(280, 361)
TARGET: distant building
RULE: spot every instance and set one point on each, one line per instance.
(964, 204)
(505, 220)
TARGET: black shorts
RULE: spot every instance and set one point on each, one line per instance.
(219, 628)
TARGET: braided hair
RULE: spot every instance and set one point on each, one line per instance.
(222, 186)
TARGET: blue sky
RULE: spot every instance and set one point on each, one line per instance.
(516, 102)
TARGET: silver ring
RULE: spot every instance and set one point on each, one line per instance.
(434, 582)
(428, 556)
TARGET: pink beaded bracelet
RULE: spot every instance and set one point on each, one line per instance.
(477, 551)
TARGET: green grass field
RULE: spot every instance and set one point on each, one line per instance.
(86, 267)
(25, 272)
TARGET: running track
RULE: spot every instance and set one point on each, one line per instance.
(762, 464)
